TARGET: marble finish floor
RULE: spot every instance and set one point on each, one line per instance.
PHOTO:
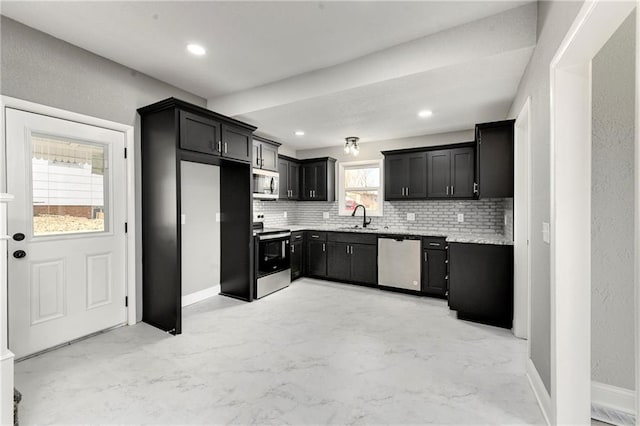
(314, 353)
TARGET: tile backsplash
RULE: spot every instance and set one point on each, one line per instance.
(480, 216)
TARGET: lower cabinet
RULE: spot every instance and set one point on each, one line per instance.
(481, 282)
(434, 266)
(316, 254)
(352, 257)
(297, 255)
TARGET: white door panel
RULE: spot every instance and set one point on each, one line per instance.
(69, 182)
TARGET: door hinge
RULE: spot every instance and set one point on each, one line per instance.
(126, 227)
(126, 301)
(125, 153)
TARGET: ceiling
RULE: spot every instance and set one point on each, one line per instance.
(332, 69)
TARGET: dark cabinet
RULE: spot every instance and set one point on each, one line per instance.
(236, 143)
(174, 132)
(405, 176)
(481, 282)
(297, 255)
(434, 266)
(207, 135)
(338, 261)
(265, 154)
(289, 171)
(364, 263)
(352, 257)
(199, 134)
(317, 177)
(316, 254)
(450, 173)
(494, 168)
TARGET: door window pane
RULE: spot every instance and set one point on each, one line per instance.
(69, 180)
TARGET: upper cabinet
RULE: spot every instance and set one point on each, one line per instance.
(494, 170)
(405, 175)
(317, 179)
(207, 134)
(265, 154)
(450, 173)
(289, 171)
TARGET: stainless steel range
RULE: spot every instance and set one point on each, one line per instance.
(272, 258)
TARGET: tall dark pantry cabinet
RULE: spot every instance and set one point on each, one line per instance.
(174, 131)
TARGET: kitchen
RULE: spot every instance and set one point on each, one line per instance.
(341, 133)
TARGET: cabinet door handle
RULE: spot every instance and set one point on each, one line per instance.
(447, 189)
(225, 147)
(293, 248)
(425, 256)
(351, 249)
(219, 146)
(451, 189)
(315, 236)
(346, 249)
(407, 192)
(323, 247)
(435, 244)
(475, 188)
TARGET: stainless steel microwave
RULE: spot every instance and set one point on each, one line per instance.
(265, 184)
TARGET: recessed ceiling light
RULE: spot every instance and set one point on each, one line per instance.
(299, 133)
(425, 113)
(196, 49)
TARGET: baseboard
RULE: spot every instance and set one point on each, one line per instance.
(612, 404)
(198, 296)
(544, 400)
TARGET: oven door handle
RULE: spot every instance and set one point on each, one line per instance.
(274, 236)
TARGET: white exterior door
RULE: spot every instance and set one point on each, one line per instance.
(67, 271)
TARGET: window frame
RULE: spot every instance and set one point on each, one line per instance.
(379, 163)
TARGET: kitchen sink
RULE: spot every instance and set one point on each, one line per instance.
(358, 228)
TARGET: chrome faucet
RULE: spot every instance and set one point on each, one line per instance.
(364, 210)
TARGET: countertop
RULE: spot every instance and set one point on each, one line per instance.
(452, 237)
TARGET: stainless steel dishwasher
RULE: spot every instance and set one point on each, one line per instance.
(399, 261)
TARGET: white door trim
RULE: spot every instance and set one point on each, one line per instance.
(522, 290)
(570, 156)
(637, 213)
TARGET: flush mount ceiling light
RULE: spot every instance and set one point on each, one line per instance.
(425, 113)
(196, 49)
(299, 133)
(351, 145)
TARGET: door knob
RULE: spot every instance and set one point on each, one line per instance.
(18, 236)
(19, 254)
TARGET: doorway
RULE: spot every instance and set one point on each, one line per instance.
(571, 186)
(67, 260)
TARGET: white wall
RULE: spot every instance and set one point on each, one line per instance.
(200, 199)
(554, 20)
(39, 68)
(612, 209)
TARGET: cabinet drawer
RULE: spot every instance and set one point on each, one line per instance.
(297, 236)
(352, 238)
(434, 243)
(316, 236)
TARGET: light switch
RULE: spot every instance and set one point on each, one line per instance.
(546, 234)
(183, 219)
(460, 217)
(411, 217)
(325, 215)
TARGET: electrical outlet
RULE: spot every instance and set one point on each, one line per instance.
(411, 217)
(325, 215)
(284, 214)
(460, 217)
(546, 233)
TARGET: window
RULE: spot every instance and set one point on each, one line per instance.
(360, 183)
